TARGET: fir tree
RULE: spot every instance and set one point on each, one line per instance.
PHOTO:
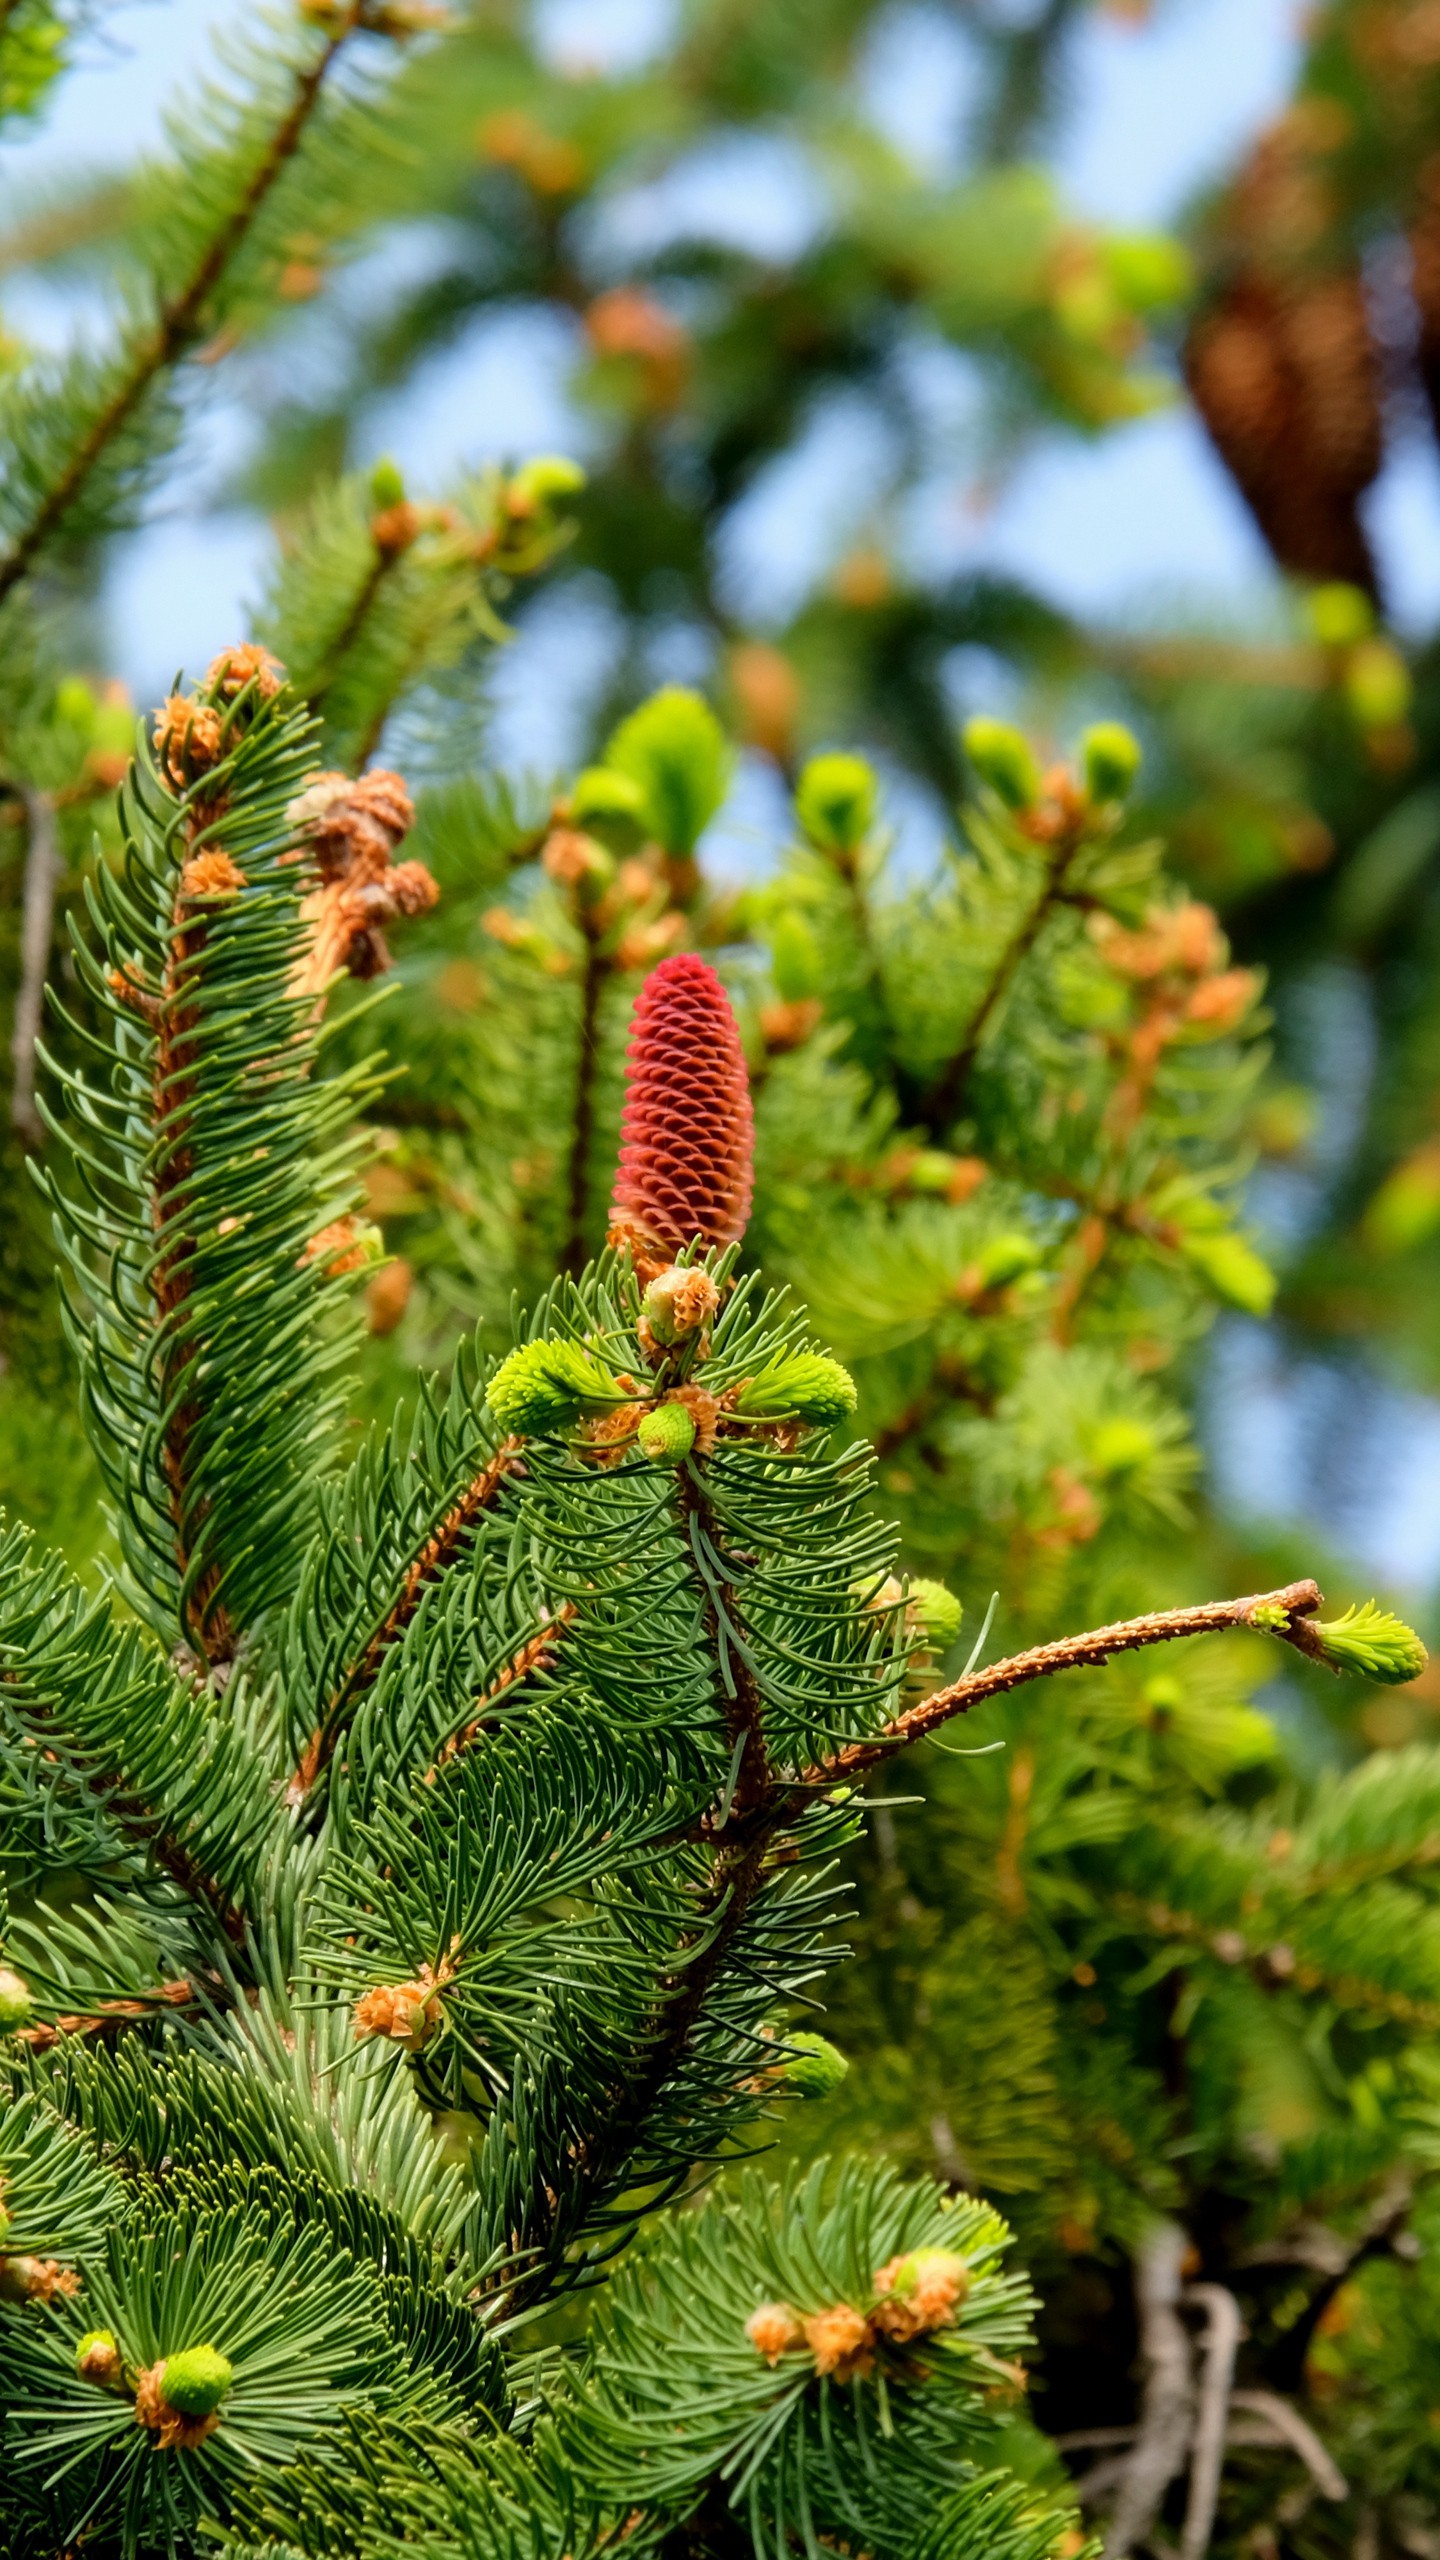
(492, 1780)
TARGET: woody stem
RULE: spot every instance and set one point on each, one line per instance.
(1293, 1604)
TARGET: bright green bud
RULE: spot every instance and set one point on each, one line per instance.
(1406, 1208)
(815, 2066)
(1147, 270)
(75, 704)
(1369, 1640)
(98, 2360)
(14, 2002)
(806, 1387)
(836, 801)
(1005, 1258)
(1110, 760)
(196, 2380)
(1121, 1446)
(1377, 684)
(608, 803)
(544, 1385)
(1003, 759)
(675, 750)
(931, 1171)
(666, 1434)
(940, 1614)
(1340, 614)
(545, 480)
(4, 2229)
(1232, 1268)
(387, 486)
(794, 957)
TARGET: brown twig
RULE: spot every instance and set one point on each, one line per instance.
(110, 2016)
(42, 869)
(1070, 1653)
(1291, 2429)
(182, 320)
(1168, 2402)
(1207, 2451)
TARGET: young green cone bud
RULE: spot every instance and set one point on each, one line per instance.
(544, 481)
(666, 1433)
(14, 2002)
(679, 1304)
(542, 1386)
(836, 800)
(1006, 1257)
(939, 1613)
(387, 486)
(1109, 761)
(815, 2066)
(4, 2229)
(98, 2360)
(1004, 759)
(676, 752)
(807, 1387)
(1369, 1640)
(196, 2380)
(609, 804)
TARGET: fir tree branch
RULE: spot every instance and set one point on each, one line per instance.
(429, 1562)
(42, 867)
(183, 318)
(535, 1654)
(597, 967)
(1378, 2234)
(1074, 1653)
(113, 2016)
(941, 1105)
(145, 1829)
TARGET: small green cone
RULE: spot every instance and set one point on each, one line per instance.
(544, 1385)
(666, 1433)
(815, 2066)
(387, 486)
(836, 800)
(1109, 761)
(1006, 1257)
(940, 1614)
(1003, 758)
(808, 1387)
(1369, 1640)
(14, 2002)
(196, 2380)
(547, 479)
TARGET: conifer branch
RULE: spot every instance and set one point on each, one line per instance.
(1290, 1607)
(582, 1135)
(182, 319)
(432, 1559)
(144, 1828)
(42, 865)
(941, 1105)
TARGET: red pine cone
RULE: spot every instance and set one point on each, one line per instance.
(687, 1139)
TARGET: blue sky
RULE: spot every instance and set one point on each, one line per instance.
(1141, 524)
